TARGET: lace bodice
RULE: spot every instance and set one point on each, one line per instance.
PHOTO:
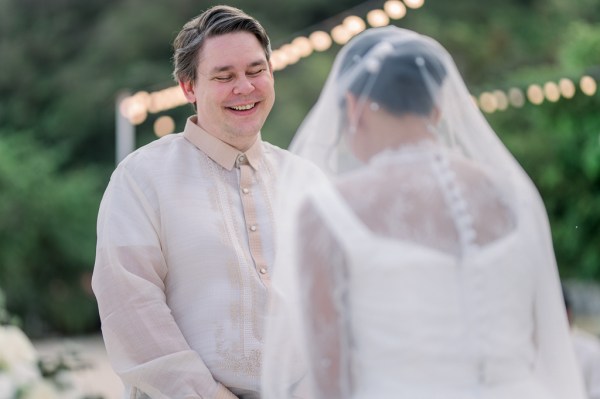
(431, 197)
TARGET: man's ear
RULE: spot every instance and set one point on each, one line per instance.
(188, 90)
(271, 68)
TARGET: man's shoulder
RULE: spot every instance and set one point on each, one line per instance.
(286, 157)
(153, 154)
(272, 149)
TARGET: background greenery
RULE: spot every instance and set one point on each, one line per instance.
(62, 63)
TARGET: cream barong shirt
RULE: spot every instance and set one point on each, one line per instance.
(183, 263)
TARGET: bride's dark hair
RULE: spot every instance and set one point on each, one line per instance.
(404, 75)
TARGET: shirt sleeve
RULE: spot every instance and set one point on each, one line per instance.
(143, 341)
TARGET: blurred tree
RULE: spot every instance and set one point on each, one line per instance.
(559, 145)
(47, 237)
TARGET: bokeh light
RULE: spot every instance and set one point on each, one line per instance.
(488, 102)
(378, 18)
(551, 91)
(414, 3)
(320, 40)
(395, 9)
(501, 99)
(535, 94)
(354, 25)
(164, 125)
(516, 97)
(588, 85)
(340, 35)
(303, 46)
(567, 87)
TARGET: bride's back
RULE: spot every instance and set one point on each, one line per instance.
(413, 197)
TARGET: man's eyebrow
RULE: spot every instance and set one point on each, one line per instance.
(225, 68)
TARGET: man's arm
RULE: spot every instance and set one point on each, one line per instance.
(144, 343)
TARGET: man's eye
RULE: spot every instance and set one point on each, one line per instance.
(257, 72)
(222, 78)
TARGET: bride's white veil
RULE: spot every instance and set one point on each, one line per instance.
(392, 80)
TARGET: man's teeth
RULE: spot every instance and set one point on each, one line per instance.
(244, 107)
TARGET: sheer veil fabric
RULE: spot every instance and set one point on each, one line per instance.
(419, 263)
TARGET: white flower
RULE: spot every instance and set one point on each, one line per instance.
(15, 348)
(18, 361)
(19, 369)
(7, 386)
(41, 390)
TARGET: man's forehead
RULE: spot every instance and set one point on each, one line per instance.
(231, 51)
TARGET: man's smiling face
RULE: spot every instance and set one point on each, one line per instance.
(234, 88)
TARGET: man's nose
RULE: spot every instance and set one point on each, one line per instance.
(243, 86)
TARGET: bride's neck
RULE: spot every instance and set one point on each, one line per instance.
(395, 132)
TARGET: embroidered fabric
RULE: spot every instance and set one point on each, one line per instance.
(420, 265)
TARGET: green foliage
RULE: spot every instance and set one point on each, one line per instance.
(558, 144)
(47, 237)
(581, 48)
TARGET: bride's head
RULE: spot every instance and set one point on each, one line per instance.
(388, 84)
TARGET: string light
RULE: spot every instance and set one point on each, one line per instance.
(137, 107)
(354, 25)
(501, 99)
(488, 102)
(340, 35)
(414, 4)
(516, 97)
(278, 60)
(303, 46)
(567, 87)
(164, 125)
(395, 9)
(320, 40)
(551, 92)
(291, 53)
(535, 94)
(377, 18)
(588, 85)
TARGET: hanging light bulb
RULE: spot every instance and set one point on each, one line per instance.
(320, 40)
(535, 94)
(567, 87)
(354, 25)
(164, 125)
(588, 85)
(395, 9)
(414, 3)
(516, 97)
(377, 18)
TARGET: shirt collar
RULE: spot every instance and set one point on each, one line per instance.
(219, 151)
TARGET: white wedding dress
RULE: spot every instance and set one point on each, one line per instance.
(421, 266)
(425, 322)
(428, 314)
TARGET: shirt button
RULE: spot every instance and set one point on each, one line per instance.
(245, 190)
(242, 158)
(263, 271)
(253, 227)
